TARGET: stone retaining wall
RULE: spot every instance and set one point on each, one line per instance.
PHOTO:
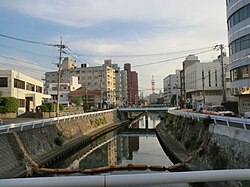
(41, 142)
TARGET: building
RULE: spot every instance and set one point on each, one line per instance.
(118, 82)
(203, 82)
(171, 85)
(97, 77)
(66, 85)
(27, 90)
(90, 98)
(238, 20)
(132, 85)
(124, 88)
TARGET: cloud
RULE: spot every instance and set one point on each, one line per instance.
(85, 13)
(171, 25)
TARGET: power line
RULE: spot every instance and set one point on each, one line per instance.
(25, 51)
(145, 55)
(171, 59)
(19, 60)
(17, 67)
(27, 41)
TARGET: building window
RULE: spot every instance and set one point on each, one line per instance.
(238, 16)
(216, 78)
(39, 89)
(209, 78)
(3, 81)
(239, 44)
(21, 102)
(30, 87)
(19, 84)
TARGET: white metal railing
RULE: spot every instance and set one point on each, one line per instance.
(128, 179)
(33, 124)
(147, 109)
(242, 122)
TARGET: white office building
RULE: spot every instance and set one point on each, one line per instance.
(171, 85)
(27, 90)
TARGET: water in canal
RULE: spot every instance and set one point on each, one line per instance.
(132, 145)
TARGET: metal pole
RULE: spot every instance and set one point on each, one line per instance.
(131, 179)
(222, 73)
(59, 78)
(203, 88)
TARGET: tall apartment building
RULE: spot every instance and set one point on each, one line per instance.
(132, 84)
(118, 82)
(171, 86)
(97, 77)
(238, 21)
(124, 88)
(27, 90)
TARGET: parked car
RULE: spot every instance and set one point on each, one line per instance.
(218, 110)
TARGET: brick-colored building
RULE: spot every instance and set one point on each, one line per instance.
(132, 84)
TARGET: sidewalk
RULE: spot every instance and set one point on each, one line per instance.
(7, 121)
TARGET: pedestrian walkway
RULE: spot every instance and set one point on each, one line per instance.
(7, 121)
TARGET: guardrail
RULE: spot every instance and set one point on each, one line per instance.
(229, 121)
(41, 123)
(147, 109)
(135, 179)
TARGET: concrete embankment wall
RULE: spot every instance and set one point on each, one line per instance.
(222, 147)
(43, 144)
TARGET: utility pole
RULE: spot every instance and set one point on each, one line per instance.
(221, 47)
(203, 88)
(61, 47)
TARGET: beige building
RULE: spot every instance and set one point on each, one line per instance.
(97, 77)
(27, 90)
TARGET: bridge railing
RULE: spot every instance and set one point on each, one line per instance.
(147, 109)
(128, 179)
(229, 121)
(40, 123)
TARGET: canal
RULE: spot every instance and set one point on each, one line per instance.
(134, 144)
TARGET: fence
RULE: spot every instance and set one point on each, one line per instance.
(41, 123)
(229, 121)
(134, 179)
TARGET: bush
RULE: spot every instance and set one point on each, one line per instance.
(206, 121)
(59, 140)
(61, 107)
(9, 105)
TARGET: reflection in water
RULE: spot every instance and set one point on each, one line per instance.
(118, 149)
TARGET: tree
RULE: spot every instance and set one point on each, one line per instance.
(77, 101)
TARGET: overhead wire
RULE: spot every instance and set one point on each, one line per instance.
(25, 51)
(171, 59)
(27, 41)
(19, 60)
(145, 55)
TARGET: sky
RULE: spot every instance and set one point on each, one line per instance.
(154, 36)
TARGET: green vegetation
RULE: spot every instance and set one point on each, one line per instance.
(9, 105)
(219, 160)
(206, 122)
(49, 107)
(77, 101)
(97, 122)
(59, 140)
